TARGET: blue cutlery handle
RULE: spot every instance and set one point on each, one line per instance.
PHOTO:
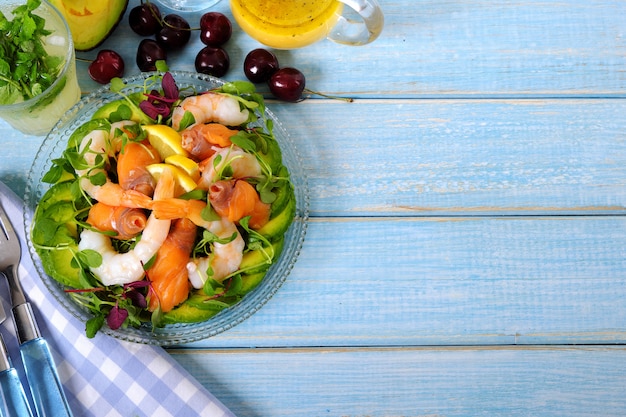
(13, 401)
(43, 379)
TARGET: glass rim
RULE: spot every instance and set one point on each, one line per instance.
(66, 65)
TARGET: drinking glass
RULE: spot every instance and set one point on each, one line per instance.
(36, 116)
(187, 5)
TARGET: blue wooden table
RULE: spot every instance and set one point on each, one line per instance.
(466, 252)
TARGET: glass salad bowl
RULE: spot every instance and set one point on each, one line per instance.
(170, 334)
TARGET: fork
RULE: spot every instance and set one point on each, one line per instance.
(45, 385)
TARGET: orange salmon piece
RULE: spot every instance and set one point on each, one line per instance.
(132, 161)
(126, 222)
(168, 275)
(239, 201)
(199, 140)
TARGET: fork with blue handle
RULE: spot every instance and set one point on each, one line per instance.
(43, 379)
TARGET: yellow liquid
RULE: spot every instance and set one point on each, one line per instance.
(286, 24)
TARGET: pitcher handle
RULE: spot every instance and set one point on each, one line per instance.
(359, 32)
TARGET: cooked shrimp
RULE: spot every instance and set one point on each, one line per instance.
(233, 200)
(225, 258)
(132, 161)
(210, 107)
(168, 275)
(126, 222)
(200, 140)
(236, 199)
(242, 164)
(96, 145)
(123, 268)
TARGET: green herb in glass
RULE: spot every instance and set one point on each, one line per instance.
(26, 69)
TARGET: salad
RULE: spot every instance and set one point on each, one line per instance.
(167, 206)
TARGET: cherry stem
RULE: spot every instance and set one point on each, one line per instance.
(163, 22)
(346, 99)
(79, 290)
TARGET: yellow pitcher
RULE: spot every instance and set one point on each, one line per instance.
(289, 24)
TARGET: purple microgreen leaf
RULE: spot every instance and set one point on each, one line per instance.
(137, 298)
(169, 87)
(116, 317)
(137, 284)
(156, 97)
(153, 110)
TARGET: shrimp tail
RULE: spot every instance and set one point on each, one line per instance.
(133, 198)
(176, 208)
(113, 195)
(165, 186)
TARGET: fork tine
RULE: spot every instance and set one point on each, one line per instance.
(10, 256)
(7, 227)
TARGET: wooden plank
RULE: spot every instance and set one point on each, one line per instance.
(443, 157)
(442, 281)
(446, 48)
(501, 381)
(453, 157)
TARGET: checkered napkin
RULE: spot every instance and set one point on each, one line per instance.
(102, 376)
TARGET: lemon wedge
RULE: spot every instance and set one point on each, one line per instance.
(165, 140)
(184, 183)
(186, 164)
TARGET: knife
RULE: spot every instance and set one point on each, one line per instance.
(13, 400)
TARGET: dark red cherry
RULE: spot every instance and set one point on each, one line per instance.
(107, 65)
(212, 61)
(175, 32)
(215, 29)
(145, 20)
(259, 65)
(148, 53)
(287, 84)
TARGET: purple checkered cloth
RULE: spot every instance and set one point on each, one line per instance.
(102, 376)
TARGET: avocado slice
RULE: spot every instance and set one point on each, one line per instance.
(255, 261)
(58, 262)
(136, 115)
(198, 307)
(284, 194)
(55, 234)
(269, 150)
(91, 22)
(280, 222)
